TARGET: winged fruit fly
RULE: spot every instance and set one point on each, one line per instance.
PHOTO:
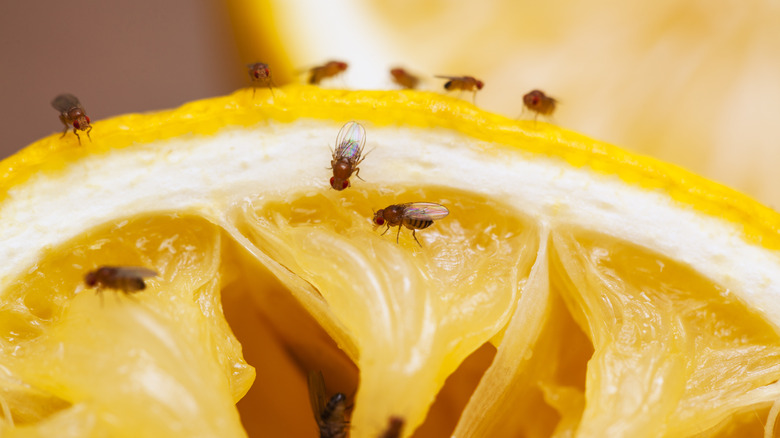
(348, 154)
(404, 78)
(394, 426)
(327, 70)
(330, 413)
(260, 74)
(127, 279)
(463, 83)
(413, 215)
(72, 114)
(539, 103)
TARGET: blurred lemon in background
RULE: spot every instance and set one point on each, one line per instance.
(690, 82)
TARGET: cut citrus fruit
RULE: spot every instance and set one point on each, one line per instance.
(573, 289)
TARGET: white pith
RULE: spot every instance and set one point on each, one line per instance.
(206, 175)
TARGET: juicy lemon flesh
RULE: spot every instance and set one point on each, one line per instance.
(414, 312)
(627, 341)
(671, 348)
(144, 364)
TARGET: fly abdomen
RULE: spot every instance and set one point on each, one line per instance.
(335, 407)
(333, 422)
(131, 284)
(418, 224)
(138, 284)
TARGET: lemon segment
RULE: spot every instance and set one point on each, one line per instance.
(167, 353)
(509, 381)
(706, 355)
(420, 316)
(664, 361)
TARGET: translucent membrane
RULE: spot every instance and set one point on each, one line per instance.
(413, 312)
(495, 326)
(147, 364)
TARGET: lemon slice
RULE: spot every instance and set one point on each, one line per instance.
(573, 288)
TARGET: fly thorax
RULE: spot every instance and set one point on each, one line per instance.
(394, 214)
(342, 169)
(75, 113)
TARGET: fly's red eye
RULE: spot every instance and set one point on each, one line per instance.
(257, 75)
(267, 72)
(331, 180)
(76, 125)
(379, 221)
(345, 184)
(88, 121)
(535, 100)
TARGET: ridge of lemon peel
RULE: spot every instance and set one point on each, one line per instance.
(760, 224)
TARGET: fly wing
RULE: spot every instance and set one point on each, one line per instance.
(135, 272)
(65, 102)
(425, 211)
(448, 77)
(317, 396)
(350, 141)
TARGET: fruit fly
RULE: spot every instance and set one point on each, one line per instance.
(463, 83)
(260, 74)
(404, 78)
(125, 279)
(327, 70)
(413, 215)
(349, 148)
(394, 426)
(330, 413)
(539, 103)
(72, 114)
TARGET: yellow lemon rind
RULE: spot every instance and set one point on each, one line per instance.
(760, 224)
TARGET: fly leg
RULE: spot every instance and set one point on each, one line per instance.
(357, 173)
(65, 123)
(415, 239)
(315, 77)
(99, 292)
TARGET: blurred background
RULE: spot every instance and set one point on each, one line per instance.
(116, 57)
(692, 82)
